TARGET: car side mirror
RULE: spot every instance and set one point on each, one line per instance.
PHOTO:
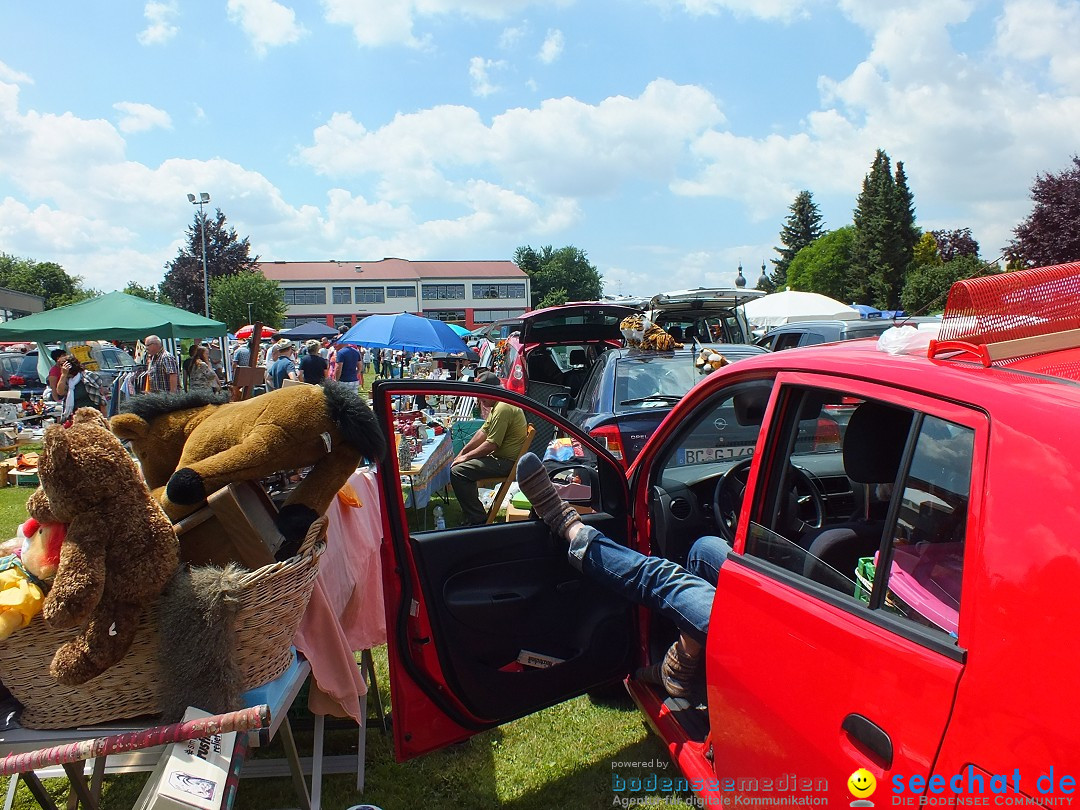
(560, 402)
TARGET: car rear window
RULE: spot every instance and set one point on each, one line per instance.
(653, 382)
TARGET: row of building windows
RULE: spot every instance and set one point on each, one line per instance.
(378, 295)
(449, 315)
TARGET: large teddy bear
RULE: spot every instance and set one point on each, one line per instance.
(119, 552)
(192, 444)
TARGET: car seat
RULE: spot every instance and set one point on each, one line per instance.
(873, 447)
(579, 371)
(543, 368)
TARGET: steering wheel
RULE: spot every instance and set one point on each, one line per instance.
(804, 510)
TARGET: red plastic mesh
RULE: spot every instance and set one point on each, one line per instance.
(1021, 304)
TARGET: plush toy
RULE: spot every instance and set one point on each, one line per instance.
(26, 571)
(710, 360)
(641, 333)
(191, 445)
(119, 552)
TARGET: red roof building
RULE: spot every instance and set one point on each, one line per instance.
(339, 293)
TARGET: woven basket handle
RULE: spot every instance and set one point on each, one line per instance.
(316, 533)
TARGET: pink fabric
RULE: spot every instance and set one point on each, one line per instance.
(346, 610)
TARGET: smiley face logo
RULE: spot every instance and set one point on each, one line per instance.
(862, 784)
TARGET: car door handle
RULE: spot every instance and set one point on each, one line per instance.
(503, 598)
(870, 735)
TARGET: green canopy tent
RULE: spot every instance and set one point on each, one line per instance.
(114, 316)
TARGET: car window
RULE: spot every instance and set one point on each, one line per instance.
(588, 399)
(658, 381)
(788, 340)
(904, 476)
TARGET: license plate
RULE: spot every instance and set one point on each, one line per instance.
(703, 455)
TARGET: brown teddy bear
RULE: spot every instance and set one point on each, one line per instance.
(120, 550)
(192, 444)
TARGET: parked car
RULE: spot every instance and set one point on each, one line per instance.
(26, 378)
(897, 599)
(628, 393)
(810, 333)
(110, 360)
(10, 362)
(704, 314)
(551, 350)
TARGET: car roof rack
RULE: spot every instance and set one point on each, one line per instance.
(1008, 316)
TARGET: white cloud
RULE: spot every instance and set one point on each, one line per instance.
(510, 37)
(563, 148)
(970, 127)
(9, 74)
(1043, 31)
(267, 24)
(159, 18)
(763, 9)
(480, 80)
(141, 117)
(391, 22)
(553, 46)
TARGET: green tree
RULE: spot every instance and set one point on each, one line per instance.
(926, 287)
(230, 296)
(802, 226)
(885, 236)
(926, 252)
(1051, 234)
(226, 255)
(149, 293)
(822, 266)
(46, 279)
(563, 272)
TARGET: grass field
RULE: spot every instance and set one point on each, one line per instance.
(563, 756)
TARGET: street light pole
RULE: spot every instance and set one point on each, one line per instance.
(203, 199)
(249, 303)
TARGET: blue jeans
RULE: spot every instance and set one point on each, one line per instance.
(683, 595)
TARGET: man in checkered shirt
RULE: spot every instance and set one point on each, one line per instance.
(162, 370)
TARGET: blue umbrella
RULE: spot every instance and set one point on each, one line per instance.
(460, 331)
(407, 332)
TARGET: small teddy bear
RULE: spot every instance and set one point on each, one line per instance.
(120, 550)
(710, 360)
(25, 573)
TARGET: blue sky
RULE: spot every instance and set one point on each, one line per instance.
(666, 138)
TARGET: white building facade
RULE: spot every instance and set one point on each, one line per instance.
(339, 293)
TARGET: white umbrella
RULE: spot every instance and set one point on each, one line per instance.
(791, 305)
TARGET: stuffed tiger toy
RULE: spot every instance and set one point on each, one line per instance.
(641, 333)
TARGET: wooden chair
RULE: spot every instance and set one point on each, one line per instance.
(505, 482)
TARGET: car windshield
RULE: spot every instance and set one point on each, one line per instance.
(653, 381)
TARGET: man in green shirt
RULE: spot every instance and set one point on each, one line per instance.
(490, 453)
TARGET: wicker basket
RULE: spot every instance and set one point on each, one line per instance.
(273, 602)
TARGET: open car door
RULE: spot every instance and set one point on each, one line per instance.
(488, 623)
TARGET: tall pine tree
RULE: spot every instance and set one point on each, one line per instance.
(226, 255)
(802, 226)
(885, 235)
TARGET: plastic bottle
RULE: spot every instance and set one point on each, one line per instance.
(440, 521)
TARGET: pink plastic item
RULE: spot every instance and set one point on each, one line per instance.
(927, 578)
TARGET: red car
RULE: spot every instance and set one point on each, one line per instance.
(892, 625)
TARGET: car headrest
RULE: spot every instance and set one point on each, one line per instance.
(577, 357)
(874, 443)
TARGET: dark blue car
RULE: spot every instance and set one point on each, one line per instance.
(629, 392)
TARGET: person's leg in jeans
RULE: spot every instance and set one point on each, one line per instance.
(463, 478)
(666, 587)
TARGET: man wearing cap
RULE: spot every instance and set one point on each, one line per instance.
(283, 368)
(490, 453)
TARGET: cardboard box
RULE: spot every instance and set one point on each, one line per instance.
(196, 773)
